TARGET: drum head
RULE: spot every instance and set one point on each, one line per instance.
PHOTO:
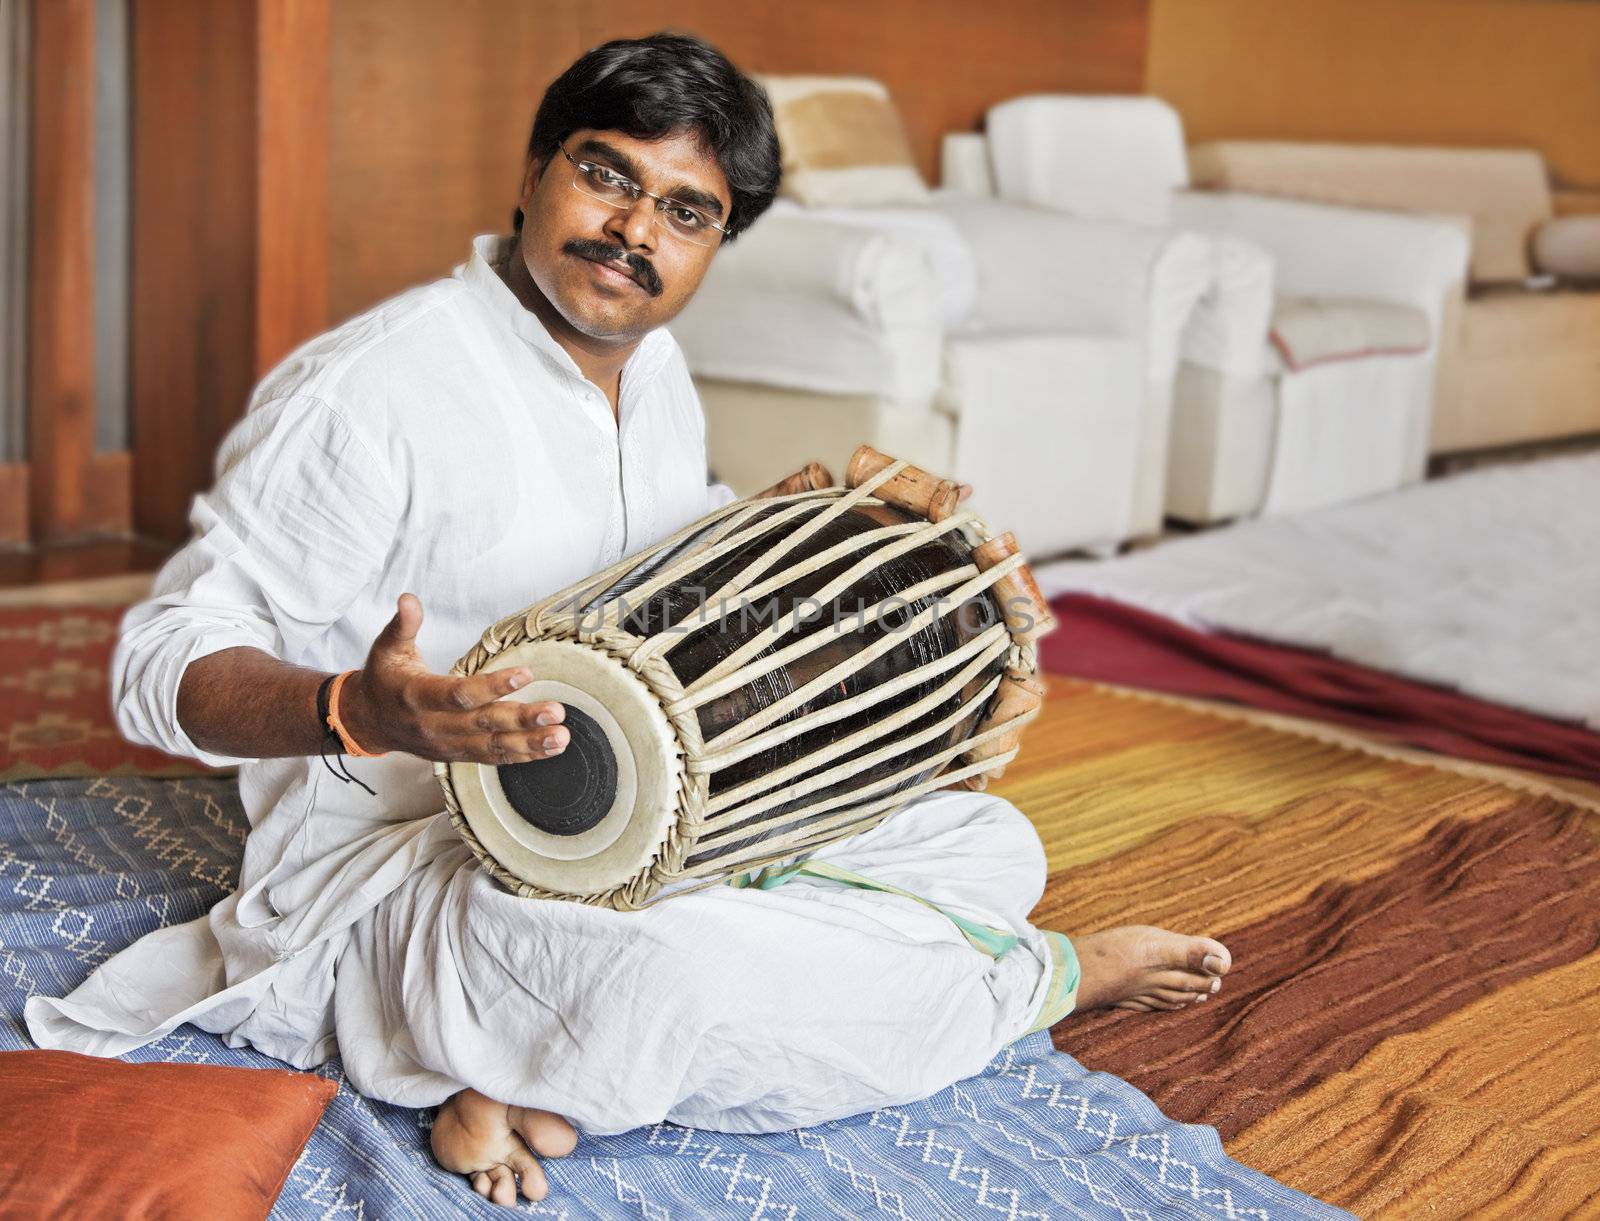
(593, 817)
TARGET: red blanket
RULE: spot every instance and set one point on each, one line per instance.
(1110, 642)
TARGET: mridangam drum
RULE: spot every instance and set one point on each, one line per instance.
(786, 672)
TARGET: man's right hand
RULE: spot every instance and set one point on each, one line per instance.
(396, 703)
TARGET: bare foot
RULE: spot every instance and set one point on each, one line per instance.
(1139, 967)
(490, 1143)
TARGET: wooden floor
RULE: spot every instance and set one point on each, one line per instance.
(22, 566)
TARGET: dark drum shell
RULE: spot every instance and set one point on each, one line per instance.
(704, 646)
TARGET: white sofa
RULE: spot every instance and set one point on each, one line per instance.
(1018, 350)
(1308, 368)
(1518, 365)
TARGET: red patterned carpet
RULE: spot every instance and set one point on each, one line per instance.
(55, 711)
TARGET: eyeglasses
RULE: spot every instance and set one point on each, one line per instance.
(609, 187)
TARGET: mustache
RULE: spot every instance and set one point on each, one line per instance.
(604, 252)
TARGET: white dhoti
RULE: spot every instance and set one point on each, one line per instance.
(736, 1010)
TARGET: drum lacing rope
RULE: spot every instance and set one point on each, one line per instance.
(840, 502)
(989, 643)
(715, 681)
(781, 708)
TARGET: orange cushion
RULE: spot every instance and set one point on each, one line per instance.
(85, 1137)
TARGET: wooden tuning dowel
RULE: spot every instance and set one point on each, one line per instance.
(1023, 604)
(913, 490)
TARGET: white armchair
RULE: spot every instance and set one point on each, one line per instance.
(812, 304)
(1355, 398)
(1091, 280)
(1027, 353)
(1308, 366)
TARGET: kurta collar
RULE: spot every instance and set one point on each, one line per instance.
(490, 250)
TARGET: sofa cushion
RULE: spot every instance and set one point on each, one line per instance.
(1506, 191)
(1569, 247)
(1310, 331)
(1099, 158)
(842, 143)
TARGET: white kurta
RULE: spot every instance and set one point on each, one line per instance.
(446, 445)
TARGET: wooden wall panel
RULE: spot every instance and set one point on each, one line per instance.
(194, 231)
(15, 143)
(1450, 72)
(61, 273)
(13, 504)
(429, 114)
(944, 61)
(430, 104)
(292, 181)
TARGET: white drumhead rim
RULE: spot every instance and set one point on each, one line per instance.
(649, 767)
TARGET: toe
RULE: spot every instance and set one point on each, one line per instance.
(1186, 981)
(480, 1183)
(469, 1133)
(1138, 1006)
(1177, 996)
(1155, 1002)
(545, 1132)
(1209, 956)
(502, 1185)
(534, 1185)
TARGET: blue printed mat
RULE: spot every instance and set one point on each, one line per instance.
(88, 866)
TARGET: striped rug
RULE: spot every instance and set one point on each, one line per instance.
(1412, 1023)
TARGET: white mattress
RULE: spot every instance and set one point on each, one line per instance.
(1487, 583)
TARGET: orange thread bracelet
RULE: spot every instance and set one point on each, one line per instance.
(350, 746)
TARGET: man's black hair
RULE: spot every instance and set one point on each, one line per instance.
(650, 88)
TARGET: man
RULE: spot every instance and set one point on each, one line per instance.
(468, 447)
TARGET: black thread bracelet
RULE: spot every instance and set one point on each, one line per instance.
(330, 736)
